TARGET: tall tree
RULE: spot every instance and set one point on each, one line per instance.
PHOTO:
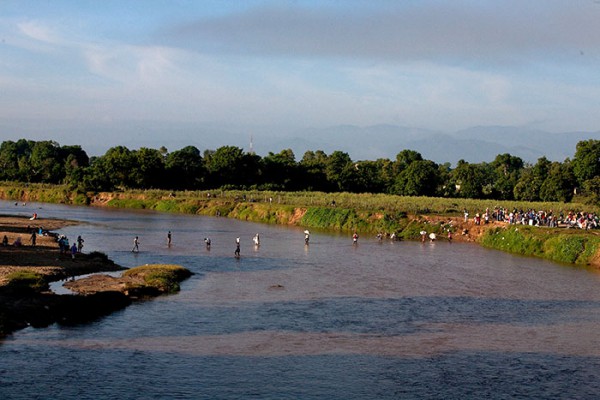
(531, 180)
(405, 158)
(184, 169)
(586, 162)
(312, 169)
(148, 170)
(225, 166)
(280, 170)
(45, 163)
(114, 169)
(471, 180)
(507, 170)
(339, 170)
(420, 178)
(559, 184)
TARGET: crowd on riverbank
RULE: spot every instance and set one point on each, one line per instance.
(542, 218)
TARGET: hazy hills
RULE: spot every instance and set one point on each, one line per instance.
(476, 144)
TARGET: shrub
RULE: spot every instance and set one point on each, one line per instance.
(163, 277)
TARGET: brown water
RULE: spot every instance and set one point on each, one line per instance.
(328, 320)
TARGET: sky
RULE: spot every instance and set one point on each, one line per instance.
(150, 73)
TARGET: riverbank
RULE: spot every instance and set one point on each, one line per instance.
(45, 257)
(563, 244)
(368, 214)
(26, 270)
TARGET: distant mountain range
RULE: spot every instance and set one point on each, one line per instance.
(477, 144)
(474, 145)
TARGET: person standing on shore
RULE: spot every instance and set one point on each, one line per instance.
(33, 238)
(79, 243)
(73, 251)
(136, 243)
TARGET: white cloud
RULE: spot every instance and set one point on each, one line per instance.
(38, 31)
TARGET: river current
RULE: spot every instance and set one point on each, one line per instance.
(331, 320)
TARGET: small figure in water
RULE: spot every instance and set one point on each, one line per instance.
(207, 242)
(423, 236)
(237, 247)
(136, 247)
(449, 235)
(355, 238)
(306, 237)
(169, 239)
(256, 240)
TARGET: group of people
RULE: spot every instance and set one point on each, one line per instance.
(237, 252)
(550, 219)
(66, 248)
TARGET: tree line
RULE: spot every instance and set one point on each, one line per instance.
(507, 177)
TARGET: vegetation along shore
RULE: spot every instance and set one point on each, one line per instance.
(404, 217)
(546, 209)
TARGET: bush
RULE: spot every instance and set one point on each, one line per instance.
(163, 277)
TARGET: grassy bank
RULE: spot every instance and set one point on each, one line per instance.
(160, 278)
(344, 212)
(561, 245)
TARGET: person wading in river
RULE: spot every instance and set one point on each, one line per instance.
(136, 247)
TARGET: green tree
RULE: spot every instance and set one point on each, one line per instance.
(405, 158)
(559, 183)
(592, 189)
(507, 170)
(45, 163)
(471, 180)
(185, 169)
(312, 170)
(114, 168)
(586, 162)
(225, 166)
(419, 178)
(531, 179)
(365, 177)
(148, 168)
(280, 170)
(10, 154)
(338, 170)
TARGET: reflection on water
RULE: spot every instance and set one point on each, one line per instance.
(328, 320)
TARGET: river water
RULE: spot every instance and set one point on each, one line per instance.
(330, 320)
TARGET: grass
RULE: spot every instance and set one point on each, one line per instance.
(573, 247)
(26, 281)
(163, 277)
(366, 213)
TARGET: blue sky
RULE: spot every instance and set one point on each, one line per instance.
(140, 73)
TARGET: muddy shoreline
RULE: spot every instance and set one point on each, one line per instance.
(22, 306)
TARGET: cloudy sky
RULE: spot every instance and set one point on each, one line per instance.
(103, 73)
